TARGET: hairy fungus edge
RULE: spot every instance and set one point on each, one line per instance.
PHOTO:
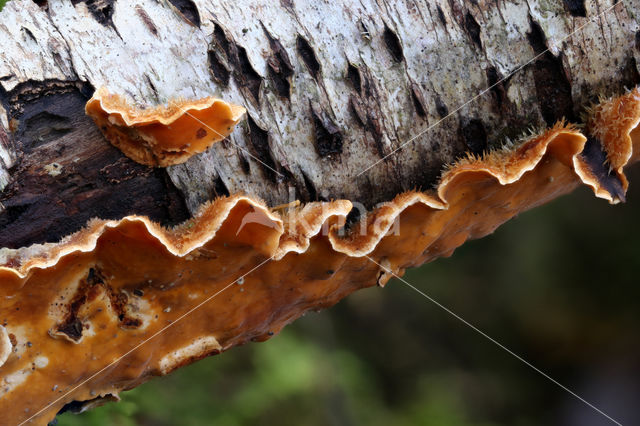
(506, 165)
(312, 258)
(166, 134)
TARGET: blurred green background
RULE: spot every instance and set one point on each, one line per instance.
(556, 285)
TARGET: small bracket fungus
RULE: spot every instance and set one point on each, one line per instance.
(104, 296)
(163, 135)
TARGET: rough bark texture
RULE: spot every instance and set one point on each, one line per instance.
(331, 88)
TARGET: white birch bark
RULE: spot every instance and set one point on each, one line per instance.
(330, 87)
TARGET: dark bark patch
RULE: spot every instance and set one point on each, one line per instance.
(496, 87)
(42, 128)
(596, 159)
(392, 41)
(537, 39)
(630, 76)
(358, 110)
(244, 164)
(368, 86)
(226, 57)
(472, 28)
(364, 30)
(39, 92)
(441, 107)
(188, 10)
(638, 40)
(259, 140)
(312, 192)
(553, 89)
(173, 202)
(353, 76)
(418, 100)
(248, 77)
(441, 16)
(66, 171)
(328, 137)
(27, 32)
(279, 67)
(151, 85)
(220, 39)
(280, 78)
(146, 20)
(12, 212)
(220, 189)
(42, 4)
(219, 66)
(374, 127)
(101, 10)
(575, 7)
(308, 56)
(475, 136)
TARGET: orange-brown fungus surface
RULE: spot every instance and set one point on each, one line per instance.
(163, 135)
(122, 301)
(615, 124)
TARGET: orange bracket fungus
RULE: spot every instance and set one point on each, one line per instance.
(119, 302)
(164, 135)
